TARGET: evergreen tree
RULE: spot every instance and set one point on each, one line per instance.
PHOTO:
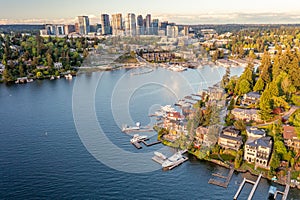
(259, 85)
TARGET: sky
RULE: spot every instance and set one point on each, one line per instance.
(178, 11)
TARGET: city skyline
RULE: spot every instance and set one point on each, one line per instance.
(181, 12)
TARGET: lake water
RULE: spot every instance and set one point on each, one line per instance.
(50, 147)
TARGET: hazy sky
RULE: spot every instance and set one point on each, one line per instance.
(179, 11)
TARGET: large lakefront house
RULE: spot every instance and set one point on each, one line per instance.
(246, 114)
(251, 98)
(258, 148)
(230, 138)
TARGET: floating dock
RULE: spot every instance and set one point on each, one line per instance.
(255, 184)
(151, 144)
(222, 183)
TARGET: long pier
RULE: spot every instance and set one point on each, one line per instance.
(222, 183)
(255, 184)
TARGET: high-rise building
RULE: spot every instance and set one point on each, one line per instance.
(55, 29)
(84, 25)
(148, 25)
(117, 24)
(163, 25)
(154, 26)
(105, 24)
(185, 30)
(172, 31)
(140, 28)
(69, 29)
(77, 30)
(130, 25)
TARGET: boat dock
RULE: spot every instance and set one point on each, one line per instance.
(178, 163)
(162, 158)
(287, 188)
(255, 184)
(137, 145)
(222, 183)
(151, 144)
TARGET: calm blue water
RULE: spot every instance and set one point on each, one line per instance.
(42, 156)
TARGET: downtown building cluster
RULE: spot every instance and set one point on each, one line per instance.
(118, 25)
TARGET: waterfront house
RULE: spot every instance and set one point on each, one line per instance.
(254, 132)
(175, 124)
(201, 137)
(251, 98)
(246, 114)
(291, 138)
(258, 151)
(230, 138)
(176, 116)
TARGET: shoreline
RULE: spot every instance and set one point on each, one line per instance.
(227, 166)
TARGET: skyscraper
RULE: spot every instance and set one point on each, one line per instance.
(140, 25)
(148, 24)
(105, 24)
(154, 26)
(172, 31)
(84, 25)
(117, 24)
(130, 25)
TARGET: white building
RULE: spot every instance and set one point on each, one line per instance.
(258, 151)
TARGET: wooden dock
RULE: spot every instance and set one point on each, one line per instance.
(178, 163)
(255, 184)
(139, 146)
(222, 183)
(151, 144)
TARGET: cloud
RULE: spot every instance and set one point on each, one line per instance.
(227, 18)
(202, 18)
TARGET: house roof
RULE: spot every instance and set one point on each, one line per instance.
(289, 132)
(263, 142)
(245, 111)
(202, 130)
(253, 95)
(255, 131)
(231, 129)
(228, 137)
